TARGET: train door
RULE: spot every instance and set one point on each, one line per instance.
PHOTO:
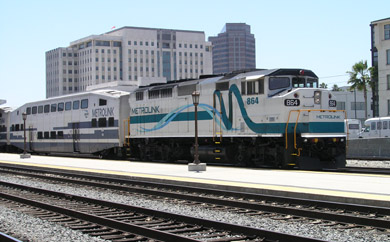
(76, 137)
(30, 138)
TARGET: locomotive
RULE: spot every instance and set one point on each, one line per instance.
(274, 118)
(267, 118)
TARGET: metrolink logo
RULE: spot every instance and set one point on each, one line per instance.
(102, 112)
(328, 116)
(145, 110)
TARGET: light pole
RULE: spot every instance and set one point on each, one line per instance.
(24, 155)
(195, 100)
(196, 165)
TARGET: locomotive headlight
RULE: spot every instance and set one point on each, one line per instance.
(317, 97)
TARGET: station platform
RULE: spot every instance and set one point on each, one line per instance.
(371, 190)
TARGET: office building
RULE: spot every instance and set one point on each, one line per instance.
(233, 49)
(131, 56)
(380, 57)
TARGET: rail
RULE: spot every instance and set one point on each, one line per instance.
(296, 123)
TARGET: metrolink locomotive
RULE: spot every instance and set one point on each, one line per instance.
(273, 118)
(276, 118)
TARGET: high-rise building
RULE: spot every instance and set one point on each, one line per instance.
(127, 56)
(233, 48)
(380, 57)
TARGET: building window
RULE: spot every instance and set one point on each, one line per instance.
(388, 82)
(357, 106)
(387, 31)
(388, 57)
(340, 106)
(388, 107)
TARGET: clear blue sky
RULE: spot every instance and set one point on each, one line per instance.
(326, 36)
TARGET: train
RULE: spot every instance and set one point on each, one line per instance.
(262, 118)
(378, 127)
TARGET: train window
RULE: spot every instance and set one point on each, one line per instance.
(40, 136)
(28, 111)
(76, 105)
(102, 102)
(46, 135)
(222, 86)
(40, 109)
(84, 103)
(154, 94)
(139, 96)
(251, 87)
(102, 122)
(68, 106)
(166, 92)
(53, 108)
(34, 110)
(53, 135)
(298, 82)
(60, 107)
(94, 123)
(373, 126)
(243, 88)
(60, 134)
(311, 82)
(111, 122)
(384, 125)
(379, 125)
(261, 86)
(46, 108)
(278, 82)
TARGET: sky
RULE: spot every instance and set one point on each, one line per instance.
(325, 36)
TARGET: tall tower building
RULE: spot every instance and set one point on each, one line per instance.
(380, 58)
(233, 48)
(127, 56)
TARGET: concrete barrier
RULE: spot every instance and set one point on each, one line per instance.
(374, 148)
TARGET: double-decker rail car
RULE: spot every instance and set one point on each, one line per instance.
(77, 124)
(4, 125)
(277, 118)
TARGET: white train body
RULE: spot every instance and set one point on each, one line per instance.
(353, 128)
(377, 128)
(83, 123)
(268, 117)
(4, 124)
(277, 118)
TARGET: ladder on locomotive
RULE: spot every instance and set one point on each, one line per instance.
(217, 135)
(126, 135)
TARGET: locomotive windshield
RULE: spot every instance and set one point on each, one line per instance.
(303, 82)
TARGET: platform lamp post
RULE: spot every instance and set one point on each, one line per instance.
(24, 155)
(196, 165)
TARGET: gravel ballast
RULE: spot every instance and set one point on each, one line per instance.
(290, 227)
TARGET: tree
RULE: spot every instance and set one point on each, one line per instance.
(359, 77)
(323, 85)
(336, 88)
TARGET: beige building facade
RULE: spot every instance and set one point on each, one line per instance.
(380, 49)
(130, 56)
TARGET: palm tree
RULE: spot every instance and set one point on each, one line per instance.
(323, 85)
(359, 77)
(336, 88)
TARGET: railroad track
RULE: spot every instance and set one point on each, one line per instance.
(120, 222)
(279, 208)
(365, 170)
